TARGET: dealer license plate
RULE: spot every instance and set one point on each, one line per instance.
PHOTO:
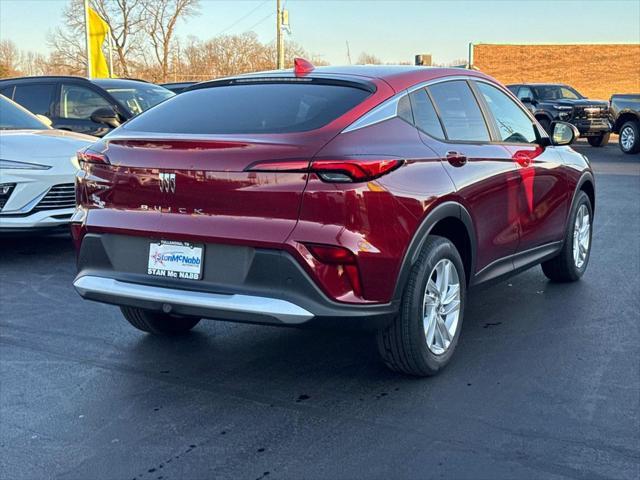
(175, 260)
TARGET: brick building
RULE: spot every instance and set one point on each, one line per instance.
(597, 71)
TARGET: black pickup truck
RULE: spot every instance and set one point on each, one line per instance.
(550, 102)
(625, 110)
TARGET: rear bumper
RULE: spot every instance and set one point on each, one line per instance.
(241, 284)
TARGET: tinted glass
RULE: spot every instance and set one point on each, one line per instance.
(35, 98)
(254, 108)
(513, 124)
(13, 117)
(525, 92)
(139, 99)
(555, 92)
(78, 102)
(424, 114)
(459, 111)
(7, 92)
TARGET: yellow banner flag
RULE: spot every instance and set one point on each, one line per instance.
(98, 29)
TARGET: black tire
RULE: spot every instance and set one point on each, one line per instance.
(634, 129)
(158, 323)
(403, 344)
(546, 124)
(563, 268)
(599, 140)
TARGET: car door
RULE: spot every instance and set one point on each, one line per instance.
(484, 174)
(542, 197)
(76, 105)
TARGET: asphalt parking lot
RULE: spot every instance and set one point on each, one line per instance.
(545, 382)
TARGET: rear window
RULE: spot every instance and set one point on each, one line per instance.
(250, 108)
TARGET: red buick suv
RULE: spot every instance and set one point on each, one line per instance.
(364, 196)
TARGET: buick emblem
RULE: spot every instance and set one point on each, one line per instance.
(167, 182)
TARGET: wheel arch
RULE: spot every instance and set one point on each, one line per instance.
(450, 220)
(586, 184)
(624, 117)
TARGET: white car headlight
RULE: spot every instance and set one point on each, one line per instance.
(13, 165)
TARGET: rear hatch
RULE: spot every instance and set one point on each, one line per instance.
(182, 170)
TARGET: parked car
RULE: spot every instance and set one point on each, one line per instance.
(177, 87)
(368, 196)
(36, 171)
(625, 110)
(93, 107)
(551, 102)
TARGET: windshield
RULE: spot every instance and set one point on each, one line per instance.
(14, 117)
(140, 98)
(556, 92)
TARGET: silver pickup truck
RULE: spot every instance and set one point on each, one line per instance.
(625, 111)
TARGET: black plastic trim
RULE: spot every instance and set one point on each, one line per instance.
(440, 212)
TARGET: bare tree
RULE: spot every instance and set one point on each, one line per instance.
(368, 59)
(161, 21)
(9, 58)
(126, 19)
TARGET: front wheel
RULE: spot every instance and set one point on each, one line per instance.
(422, 338)
(599, 140)
(158, 323)
(570, 264)
(629, 139)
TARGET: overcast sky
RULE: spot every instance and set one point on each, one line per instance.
(392, 30)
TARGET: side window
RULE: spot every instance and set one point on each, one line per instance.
(513, 124)
(525, 92)
(459, 111)
(425, 116)
(404, 110)
(7, 92)
(567, 93)
(35, 97)
(78, 102)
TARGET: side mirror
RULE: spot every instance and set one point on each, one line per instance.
(106, 116)
(526, 100)
(46, 120)
(564, 133)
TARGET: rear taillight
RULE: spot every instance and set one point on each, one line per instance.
(90, 156)
(342, 258)
(333, 170)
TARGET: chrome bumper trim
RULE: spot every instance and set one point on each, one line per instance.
(281, 310)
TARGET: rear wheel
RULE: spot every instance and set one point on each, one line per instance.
(629, 139)
(424, 335)
(158, 323)
(570, 264)
(599, 140)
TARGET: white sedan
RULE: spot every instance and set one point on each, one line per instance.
(37, 170)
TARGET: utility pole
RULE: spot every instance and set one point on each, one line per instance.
(279, 37)
(348, 53)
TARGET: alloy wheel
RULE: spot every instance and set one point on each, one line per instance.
(441, 306)
(627, 138)
(581, 236)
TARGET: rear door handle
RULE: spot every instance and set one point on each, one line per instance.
(456, 159)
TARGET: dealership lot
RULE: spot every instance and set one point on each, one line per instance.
(545, 382)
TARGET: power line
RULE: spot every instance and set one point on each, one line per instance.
(242, 18)
(261, 21)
